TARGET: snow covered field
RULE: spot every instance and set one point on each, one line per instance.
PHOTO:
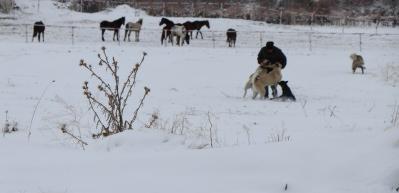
(340, 135)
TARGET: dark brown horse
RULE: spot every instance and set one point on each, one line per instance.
(196, 25)
(112, 25)
(166, 30)
(38, 29)
(231, 37)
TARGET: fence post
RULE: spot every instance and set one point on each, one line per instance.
(344, 24)
(26, 33)
(213, 39)
(376, 26)
(261, 38)
(281, 16)
(310, 41)
(360, 42)
(73, 34)
(192, 9)
(164, 8)
(311, 21)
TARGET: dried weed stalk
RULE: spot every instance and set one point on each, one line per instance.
(110, 115)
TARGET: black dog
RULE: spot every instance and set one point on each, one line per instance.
(287, 93)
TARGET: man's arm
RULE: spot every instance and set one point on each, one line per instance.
(261, 55)
(283, 59)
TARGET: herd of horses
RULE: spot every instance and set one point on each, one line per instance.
(182, 32)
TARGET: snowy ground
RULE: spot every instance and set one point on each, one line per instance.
(338, 137)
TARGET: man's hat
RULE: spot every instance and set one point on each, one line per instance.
(269, 45)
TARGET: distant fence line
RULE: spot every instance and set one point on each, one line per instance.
(248, 11)
(212, 38)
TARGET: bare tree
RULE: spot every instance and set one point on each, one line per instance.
(109, 110)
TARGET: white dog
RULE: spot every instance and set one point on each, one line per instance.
(265, 75)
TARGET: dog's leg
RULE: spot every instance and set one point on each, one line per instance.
(247, 86)
(262, 92)
(254, 94)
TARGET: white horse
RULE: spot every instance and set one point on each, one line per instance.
(180, 32)
(136, 27)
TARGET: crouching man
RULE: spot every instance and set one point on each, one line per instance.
(272, 55)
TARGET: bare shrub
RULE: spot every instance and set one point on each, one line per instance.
(6, 5)
(109, 110)
(391, 74)
(395, 116)
(9, 127)
(197, 127)
(153, 120)
(278, 136)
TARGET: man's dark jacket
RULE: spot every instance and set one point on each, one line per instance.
(275, 56)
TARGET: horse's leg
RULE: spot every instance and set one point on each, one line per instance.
(162, 36)
(102, 34)
(169, 34)
(126, 31)
(128, 35)
(191, 34)
(117, 34)
(43, 36)
(38, 37)
(200, 34)
(137, 35)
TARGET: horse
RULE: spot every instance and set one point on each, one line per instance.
(114, 25)
(38, 28)
(166, 30)
(136, 27)
(196, 25)
(181, 34)
(231, 37)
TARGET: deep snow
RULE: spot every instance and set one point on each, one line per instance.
(338, 137)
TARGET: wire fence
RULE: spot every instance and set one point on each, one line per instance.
(211, 39)
(251, 11)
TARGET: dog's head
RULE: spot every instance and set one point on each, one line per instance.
(353, 56)
(265, 62)
(283, 83)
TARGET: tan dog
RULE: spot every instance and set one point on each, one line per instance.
(357, 62)
(248, 84)
(265, 75)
